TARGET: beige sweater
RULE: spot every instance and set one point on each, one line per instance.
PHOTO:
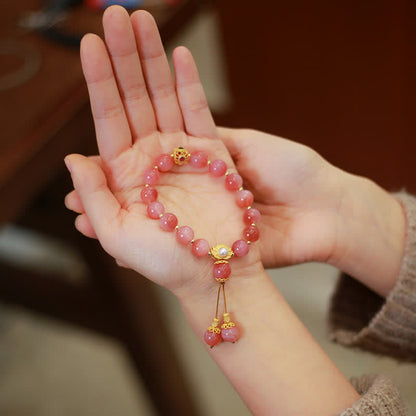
(360, 318)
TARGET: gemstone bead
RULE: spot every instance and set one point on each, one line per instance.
(251, 233)
(230, 334)
(212, 338)
(164, 162)
(200, 247)
(184, 234)
(240, 248)
(155, 209)
(244, 198)
(217, 168)
(151, 176)
(148, 195)
(168, 222)
(233, 181)
(252, 216)
(221, 271)
(198, 159)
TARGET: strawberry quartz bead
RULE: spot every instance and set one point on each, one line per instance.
(222, 271)
(148, 195)
(252, 216)
(251, 233)
(200, 247)
(184, 234)
(151, 176)
(164, 162)
(217, 168)
(212, 338)
(198, 159)
(230, 334)
(244, 198)
(168, 222)
(155, 210)
(240, 248)
(233, 181)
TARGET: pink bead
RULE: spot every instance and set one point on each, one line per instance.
(155, 209)
(168, 222)
(184, 234)
(151, 176)
(240, 248)
(230, 334)
(244, 198)
(148, 195)
(217, 168)
(222, 271)
(251, 233)
(233, 181)
(252, 216)
(200, 247)
(212, 338)
(164, 162)
(198, 159)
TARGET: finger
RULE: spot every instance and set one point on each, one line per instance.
(121, 264)
(121, 44)
(111, 125)
(159, 80)
(83, 225)
(196, 114)
(101, 206)
(74, 203)
(234, 140)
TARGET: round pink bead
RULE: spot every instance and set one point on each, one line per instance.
(198, 159)
(240, 248)
(222, 271)
(184, 234)
(164, 162)
(211, 338)
(200, 247)
(230, 334)
(233, 181)
(252, 216)
(151, 176)
(148, 195)
(168, 222)
(155, 209)
(244, 198)
(251, 233)
(217, 168)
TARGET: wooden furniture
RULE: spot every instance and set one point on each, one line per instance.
(42, 120)
(338, 76)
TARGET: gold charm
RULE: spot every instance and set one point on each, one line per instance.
(221, 252)
(181, 156)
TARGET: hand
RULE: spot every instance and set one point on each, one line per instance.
(139, 115)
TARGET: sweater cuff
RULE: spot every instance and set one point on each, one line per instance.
(360, 318)
(379, 397)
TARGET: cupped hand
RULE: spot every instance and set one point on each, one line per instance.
(139, 113)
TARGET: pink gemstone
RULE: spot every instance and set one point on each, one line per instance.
(164, 162)
(151, 176)
(184, 234)
(244, 198)
(212, 338)
(148, 195)
(230, 334)
(252, 216)
(200, 247)
(155, 209)
(222, 271)
(168, 222)
(251, 233)
(217, 168)
(198, 159)
(240, 248)
(233, 181)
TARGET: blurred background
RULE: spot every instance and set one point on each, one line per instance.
(78, 335)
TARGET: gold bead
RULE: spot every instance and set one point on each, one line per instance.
(180, 156)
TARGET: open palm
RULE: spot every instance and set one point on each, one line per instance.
(140, 113)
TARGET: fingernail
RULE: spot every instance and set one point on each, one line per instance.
(67, 164)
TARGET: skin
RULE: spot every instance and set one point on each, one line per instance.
(311, 210)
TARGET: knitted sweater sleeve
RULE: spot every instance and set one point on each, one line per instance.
(360, 318)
